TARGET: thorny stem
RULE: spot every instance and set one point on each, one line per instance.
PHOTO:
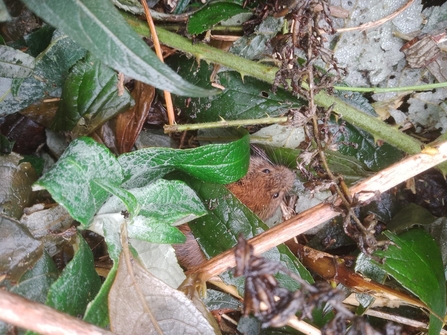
(266, 73)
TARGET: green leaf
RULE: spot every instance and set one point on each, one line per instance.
(50, 70)
(35, 283)
(18, 249)
(144, 229)
(227, 218)
(164, 204)
(219, 163)
(351, 169)
(72, 181)
(131, 202)
(38, 40)
(207, 17)
(408, 217)
(360, 144)
(243, 98)
(414, 260)
(169, 201)
(78, 283)
(14, 63)
(98, 27)
(89, 98)
(97, 311)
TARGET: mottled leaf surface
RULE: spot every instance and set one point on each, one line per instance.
(72, 181)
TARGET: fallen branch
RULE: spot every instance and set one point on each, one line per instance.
(365, 191)
(24, 313)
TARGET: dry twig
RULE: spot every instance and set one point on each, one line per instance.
(365, 191)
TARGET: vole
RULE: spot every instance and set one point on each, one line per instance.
(262, 190)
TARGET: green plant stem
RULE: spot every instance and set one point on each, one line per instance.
(427, 87)
(245, 67)
(223, 123)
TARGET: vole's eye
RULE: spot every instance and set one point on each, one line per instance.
(276, 195)
(266, 171)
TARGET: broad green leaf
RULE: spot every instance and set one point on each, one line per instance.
(18, 249)
(207, 17)
(243, 98)
(77, 285)
(50, 70)
(370, 270)
(164, 204)
(414, 260)
(38, 40)
(89, 98)
(72, 180)
(360, 144)
(144, 229)
(36, 282)
(227, 218)
(98, 27)
(220, 163)
(97, 311)
(408, 217)
(128, 199)
(169, 201)
(351, 169)
(15, 63)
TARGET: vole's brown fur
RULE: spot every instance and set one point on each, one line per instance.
(262, 190)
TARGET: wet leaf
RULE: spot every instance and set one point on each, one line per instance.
(414, 260)
(98, 27)
(89, 98)
(51, 68)
(212, 14)
(17, 178)
(72, 181)
(78, 283)
(355, 142)
(243, 98)
(219, 163)
(130, 122)
(129, 307)
(408, 217)
(34, 284)
(18, 249)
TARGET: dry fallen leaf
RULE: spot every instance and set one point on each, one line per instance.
(136, 297)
